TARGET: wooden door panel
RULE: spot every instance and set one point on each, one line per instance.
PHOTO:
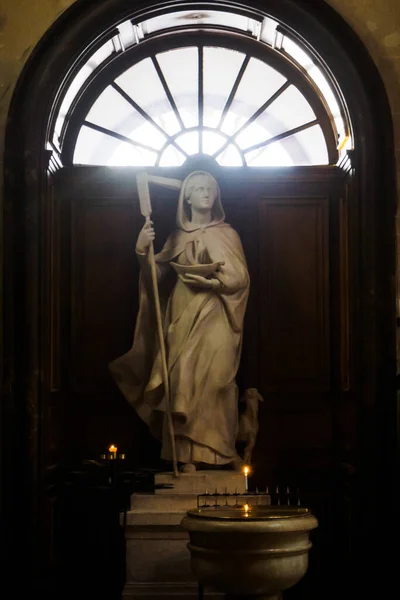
(289, 439)
(104, 287)
(294, 294)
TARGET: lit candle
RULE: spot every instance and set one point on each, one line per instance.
(246, 508)
(246, 471)
(113, 451)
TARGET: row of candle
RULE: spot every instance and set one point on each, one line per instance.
(112, 454)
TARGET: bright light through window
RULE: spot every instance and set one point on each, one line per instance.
(227, 122)
(208, 99)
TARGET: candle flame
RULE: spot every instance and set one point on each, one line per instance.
(112, 448)
(247, 509)
(246, 470)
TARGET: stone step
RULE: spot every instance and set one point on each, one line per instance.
(153, 518)
(199, 481)
(163, 502)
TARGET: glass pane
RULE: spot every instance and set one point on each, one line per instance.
(171, 157)
(230, 157)
(180, 69)
(297, 53)
(94, 61)
(289, 110)
(258, 131)
(209, 17)
(268, 31)
(326, 90)
(221, 67)
(127, 34)
(113, 112)
(331, 100)
(101, 55)
(95, 148)
(143, 85)
(274, 155)
(321, 81)
(212, 141)
(189, 142)
(312, 141)
(168, 121)
(232, 122)
(72, 91)
(127, 155)
(258, 84)
(307, 147)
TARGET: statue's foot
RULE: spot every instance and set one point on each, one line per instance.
(188, 468)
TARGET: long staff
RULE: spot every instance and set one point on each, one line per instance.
(145, 208)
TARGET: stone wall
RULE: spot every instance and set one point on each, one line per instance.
(377, 24)
(22, 25)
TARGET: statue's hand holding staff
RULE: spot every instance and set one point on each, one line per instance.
(145, 237)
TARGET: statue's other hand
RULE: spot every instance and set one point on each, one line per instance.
(145, 237)
(200, 282)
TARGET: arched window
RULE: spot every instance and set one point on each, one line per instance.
(233, 85)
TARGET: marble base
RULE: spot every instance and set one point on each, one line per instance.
(157, 557)
(185, 591)
(200, 481)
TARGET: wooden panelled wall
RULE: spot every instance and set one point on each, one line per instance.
(293, 229)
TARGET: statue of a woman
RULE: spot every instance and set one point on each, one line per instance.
(203, 324)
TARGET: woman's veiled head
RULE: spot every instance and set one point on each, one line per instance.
(200, 190)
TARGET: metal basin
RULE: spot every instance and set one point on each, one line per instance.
(256, 552)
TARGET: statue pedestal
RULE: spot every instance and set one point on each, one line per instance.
(157, 557)
(198, 482)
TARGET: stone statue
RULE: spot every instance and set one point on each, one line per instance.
(203, 285)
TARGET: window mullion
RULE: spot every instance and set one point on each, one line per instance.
(167, 91)
(255, 116)
(118, 136)
(201, 97)
(234, 90)
(144, 114)
(281, 136)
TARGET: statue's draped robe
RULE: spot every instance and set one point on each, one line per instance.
(203, 335)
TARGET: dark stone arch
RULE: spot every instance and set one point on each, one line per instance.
(373, 225)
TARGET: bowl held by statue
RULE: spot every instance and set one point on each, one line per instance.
(198, 269)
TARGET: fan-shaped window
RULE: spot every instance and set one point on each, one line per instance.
(255, 98)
